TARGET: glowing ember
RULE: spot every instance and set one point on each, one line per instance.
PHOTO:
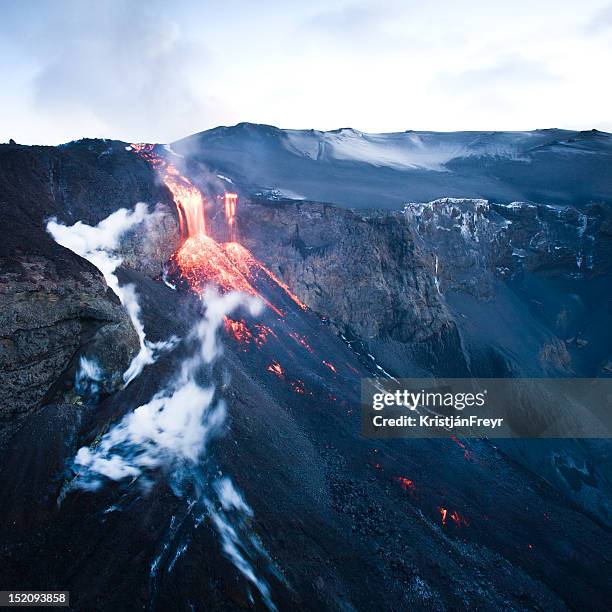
(466, 453)
(301, 340)
(458, 519)
(230, 202)
(239, 330)
(261, 337)
(406, 484)
(298, 387)
(330, 366)
(276, 369)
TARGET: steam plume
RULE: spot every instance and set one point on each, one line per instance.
(99, 244)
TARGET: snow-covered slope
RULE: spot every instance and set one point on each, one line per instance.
(353, 168)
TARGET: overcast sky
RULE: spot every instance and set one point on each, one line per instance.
(156, 71)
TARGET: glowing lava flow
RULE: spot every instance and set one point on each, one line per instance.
(189, 202)
(201, 259)
(250, 267)
(406, 484)
(458, 519)
(241, 332)
(187, 197)
(276, 369)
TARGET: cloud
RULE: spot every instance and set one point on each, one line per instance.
(362, 26)
(158, 71)
(601, 21)
(125, 65)
(513, 71)
(175, 426)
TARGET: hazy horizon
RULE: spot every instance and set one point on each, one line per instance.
(346, 127)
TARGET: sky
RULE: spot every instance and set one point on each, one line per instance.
(150, 71)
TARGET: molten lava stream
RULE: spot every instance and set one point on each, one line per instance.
(201, 259)
(189, 202)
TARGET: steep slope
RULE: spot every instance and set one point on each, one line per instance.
(367, 515)
(287, 505)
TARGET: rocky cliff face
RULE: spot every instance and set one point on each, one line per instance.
(390, 278)
(49, 318)
(472, 242)
(362, 271)
(56, 307)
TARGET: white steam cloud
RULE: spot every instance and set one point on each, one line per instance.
(173, 430)
(237, 541)
(99, 244)
(175, 426)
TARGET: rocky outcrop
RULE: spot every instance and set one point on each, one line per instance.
(56, 307)
(473, 242)
(386, 278)
(149, 246)
(361, 271)
(50, 318)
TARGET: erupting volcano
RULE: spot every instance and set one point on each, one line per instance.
(201, 259)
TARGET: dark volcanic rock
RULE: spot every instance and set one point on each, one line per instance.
(364, 272)
(48, 319)
(55, 305)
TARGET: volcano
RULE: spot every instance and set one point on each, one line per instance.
(231, 472)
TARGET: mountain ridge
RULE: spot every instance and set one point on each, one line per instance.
(359, 170)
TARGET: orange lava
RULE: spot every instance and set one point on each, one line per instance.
(458, 519)
(301, 340)
(252, 267)
(189, 202)
(298, 387)
(466, 453)
(276, 369)
(330, 366)
(188, 199)
(406, 484)
(201, 259)
(239, 330)
(263, 332)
